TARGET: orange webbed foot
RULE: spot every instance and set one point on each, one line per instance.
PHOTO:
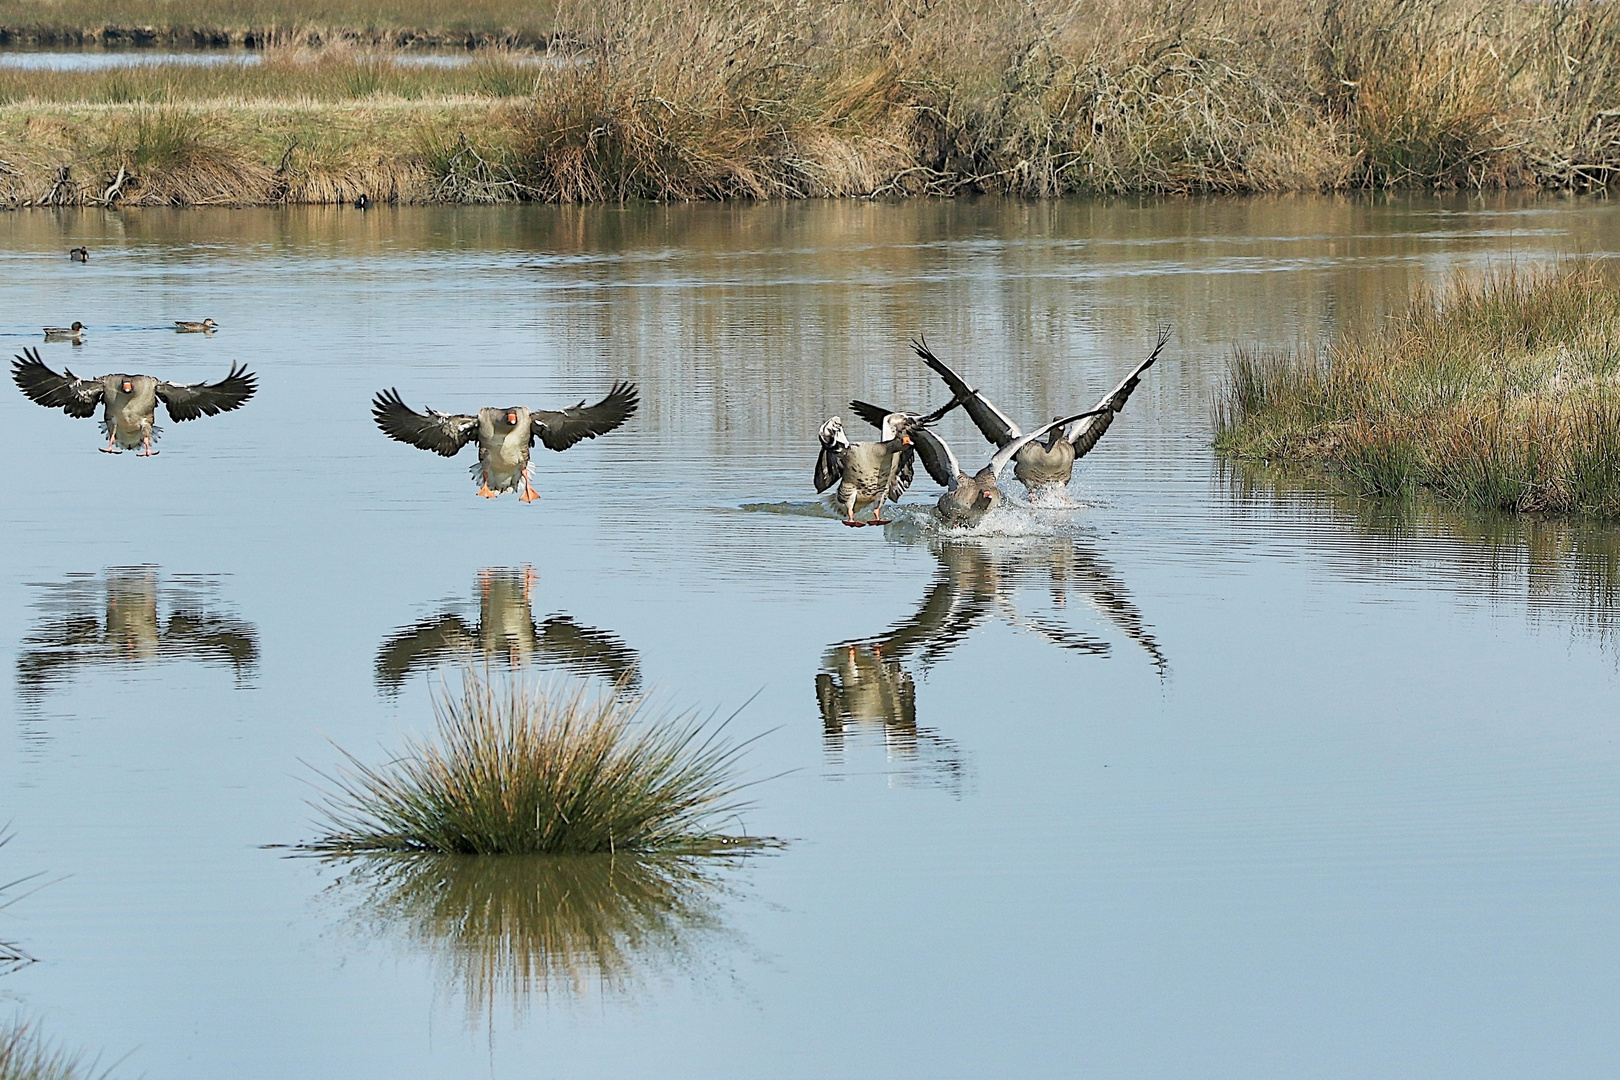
(530, 496)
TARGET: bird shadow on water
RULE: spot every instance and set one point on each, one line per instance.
(129, 617)
(505, 631)
(559, 929)
(1566, 570)
(867, 685)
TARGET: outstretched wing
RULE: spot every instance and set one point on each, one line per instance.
(1084, 434)
(439, 432)
(73, 395)
(1005, 454)
(937, 458)
(991, 421)
(563, 428)
(428, 642)
(829, 463)
(188, 401)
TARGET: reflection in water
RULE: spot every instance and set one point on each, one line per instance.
(506, 633)
(513, 925)
(863, 682)
(129, 617)
(1563, 568)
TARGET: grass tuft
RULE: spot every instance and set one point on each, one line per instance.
(518, 769)
(1497, 393)
(26, 1055)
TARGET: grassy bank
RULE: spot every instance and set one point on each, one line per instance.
(1502, 393)
(683, 99)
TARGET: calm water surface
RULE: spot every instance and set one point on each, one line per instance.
(1217, 775)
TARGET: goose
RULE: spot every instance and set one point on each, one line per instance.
(869, 473)
(79, 254)
(186, 326)
(129, 402)
(967, 498)
(74, 333)
(1043, 465)
(504, 436)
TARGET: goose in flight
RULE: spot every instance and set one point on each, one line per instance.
(129, 402)
(869, 473)
(1040, 465)
(967, 498)
(504, 436)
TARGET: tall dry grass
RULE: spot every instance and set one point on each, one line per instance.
(689, 99)
(26, 1054)
(1501, 392)
(520, 770)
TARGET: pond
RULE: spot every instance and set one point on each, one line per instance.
(1216, 774)
(106, 60)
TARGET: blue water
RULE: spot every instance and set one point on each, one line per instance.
(1211, 776)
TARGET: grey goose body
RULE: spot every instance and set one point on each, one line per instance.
(870, 473)
(129, 402)
(1046, 463)
(967, 498)
(504, 436)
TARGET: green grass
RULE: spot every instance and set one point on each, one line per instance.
(1499, 393)
(518, 769)
(567, 924)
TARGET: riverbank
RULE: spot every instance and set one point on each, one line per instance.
(660, 99)
(1502, 393)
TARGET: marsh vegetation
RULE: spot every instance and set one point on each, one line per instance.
(1500, 392)
(519, 769)
(660, 99)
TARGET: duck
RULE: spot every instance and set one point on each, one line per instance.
(186, 326)
(74, 333)
(504, 436)
(967, 498)
(129, 402)
(362, 201)
(870, 473)
(1043, 465)
(79, 254)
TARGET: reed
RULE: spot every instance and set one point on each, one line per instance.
(698, 99)
(25, 1054)
(518, 769)
(1501, 392)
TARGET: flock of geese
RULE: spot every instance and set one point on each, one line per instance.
(873, 473)
(864, 474)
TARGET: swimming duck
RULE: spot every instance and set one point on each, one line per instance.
(869, 473)
(504, 436)
(1048, 464)
(184, 326)
(74, 333)
(79, 254)
(967, 498)
(129, 402)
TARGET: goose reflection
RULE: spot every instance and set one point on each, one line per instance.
(510, 926)
(865, 681)
(507, 633)
(128, 617)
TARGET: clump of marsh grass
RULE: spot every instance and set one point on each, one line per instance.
(1501, 393)
(520, 769)
(25, 1054)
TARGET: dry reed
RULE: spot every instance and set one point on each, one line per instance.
(1496, 393)
(518, 769)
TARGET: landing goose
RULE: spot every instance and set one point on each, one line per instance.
(1041, 465)
(869, 473)
(967, 498)
(129, 402)
(504, 436)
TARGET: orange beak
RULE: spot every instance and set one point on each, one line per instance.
(127, 386)
(905, 440)
(511, 418)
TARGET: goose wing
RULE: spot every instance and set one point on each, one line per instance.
(590, 651)
(937, 458)
(1083, 435)
(73, 395)
(562, 428)
(994, 424)
(442, 433)
(1005, 454)
(830, 462)
(188, 401)
(426, 643)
